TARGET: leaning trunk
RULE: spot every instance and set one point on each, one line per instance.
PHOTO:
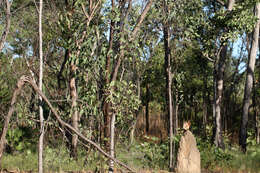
(249, 81)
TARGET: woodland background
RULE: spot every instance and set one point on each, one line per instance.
(126, 74)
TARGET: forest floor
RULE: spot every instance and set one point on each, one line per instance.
(147, 154)
(120, 171)
(148, 161)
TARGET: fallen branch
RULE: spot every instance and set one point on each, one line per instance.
(20, 84)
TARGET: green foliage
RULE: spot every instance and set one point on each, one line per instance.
(125, 103)
(6, 80)
(154, 155)
(150, 154)
(140, 155)
(21, 139)
(251, 138)
(197, 29)
(24, 161)
(55, 159)
(231, 158)
(212, 156)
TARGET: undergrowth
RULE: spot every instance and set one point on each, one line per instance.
(140, 155)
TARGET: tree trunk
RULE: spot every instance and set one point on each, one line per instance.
(256, 118)
(40, 156)
(257, 128)
(218, 88)
(106, 105)
(168, 75)
(176, 109)
(218, 140)
(147, 126)
(112, 143)
(205, 107)
(74, 111)
(249, 81)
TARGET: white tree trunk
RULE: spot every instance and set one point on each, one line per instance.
(40, 145)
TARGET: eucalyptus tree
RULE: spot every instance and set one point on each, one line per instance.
(249, 79)
(121, 12)
(219, 67)
(220, 24)
(40, 155)
(118, 36)
(76, 29)
(168, 75)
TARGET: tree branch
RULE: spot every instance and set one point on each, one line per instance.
(140, 20)
(220, 2)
